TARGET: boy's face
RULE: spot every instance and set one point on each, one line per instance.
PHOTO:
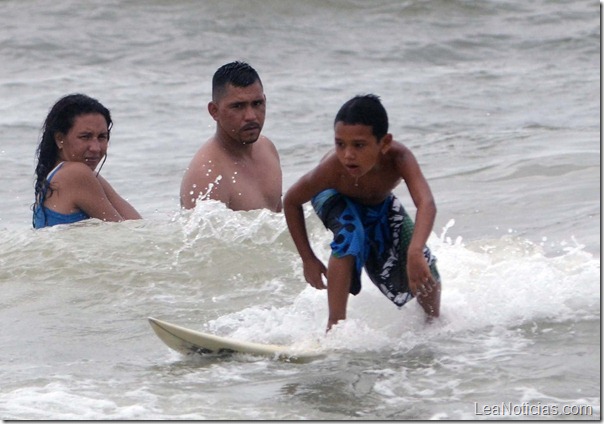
(357, 149)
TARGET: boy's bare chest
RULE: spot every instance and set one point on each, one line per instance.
(368, 189)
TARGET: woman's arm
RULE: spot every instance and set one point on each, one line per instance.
(125, 209)
(79, 188)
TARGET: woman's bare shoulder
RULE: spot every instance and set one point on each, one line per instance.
(76, 172)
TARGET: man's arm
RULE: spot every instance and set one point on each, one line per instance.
(277, 175)
(201, 178)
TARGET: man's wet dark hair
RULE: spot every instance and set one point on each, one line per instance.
(365, 110)
(238, 74)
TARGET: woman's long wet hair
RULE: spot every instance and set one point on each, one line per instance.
(60, 119)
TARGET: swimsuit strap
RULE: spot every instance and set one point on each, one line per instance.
(54, 171)
(48, 178)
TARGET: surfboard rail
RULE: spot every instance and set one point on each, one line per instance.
(187, 341)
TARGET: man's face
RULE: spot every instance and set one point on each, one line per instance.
(240, 112)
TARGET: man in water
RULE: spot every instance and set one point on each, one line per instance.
(237, 165)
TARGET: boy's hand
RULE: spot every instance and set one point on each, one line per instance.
(314, 270)
(421, 282)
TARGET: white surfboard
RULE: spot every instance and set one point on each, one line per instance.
(187, 342)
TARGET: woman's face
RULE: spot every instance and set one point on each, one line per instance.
(86, 141)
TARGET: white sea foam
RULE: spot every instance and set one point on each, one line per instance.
(492, 283)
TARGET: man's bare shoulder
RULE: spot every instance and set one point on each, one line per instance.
(209, 150)
(267, 146)
(265, 140)
(210, 160)
(203, 172)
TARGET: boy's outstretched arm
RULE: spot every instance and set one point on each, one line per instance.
(298, 194)
(420, 277)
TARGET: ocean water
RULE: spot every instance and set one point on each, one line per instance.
(499, 100)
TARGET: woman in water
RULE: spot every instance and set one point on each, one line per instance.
(74, 142)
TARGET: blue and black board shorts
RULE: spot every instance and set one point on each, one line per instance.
(378, 237)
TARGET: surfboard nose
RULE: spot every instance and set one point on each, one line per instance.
(187, 342)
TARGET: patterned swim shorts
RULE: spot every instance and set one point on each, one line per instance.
(378, 236)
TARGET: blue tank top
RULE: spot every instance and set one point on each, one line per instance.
(45, 217)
